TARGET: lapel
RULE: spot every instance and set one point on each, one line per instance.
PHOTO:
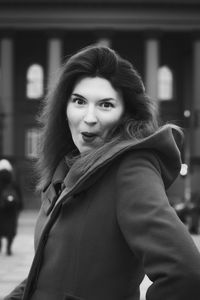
(49, 195)
(162, 141)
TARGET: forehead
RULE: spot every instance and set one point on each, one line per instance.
(95, 86)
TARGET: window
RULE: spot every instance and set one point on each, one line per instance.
(165, 83)
(34, 82)
(32, 140)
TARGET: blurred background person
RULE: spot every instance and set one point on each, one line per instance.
(10, 204)
(194, 213)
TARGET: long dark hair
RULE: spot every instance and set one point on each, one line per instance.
(140, 118)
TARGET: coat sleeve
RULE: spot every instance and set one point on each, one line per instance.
(154, 232)
(17, 293)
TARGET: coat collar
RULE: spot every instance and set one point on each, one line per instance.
(166, 141)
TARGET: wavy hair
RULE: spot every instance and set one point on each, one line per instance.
(140, 118)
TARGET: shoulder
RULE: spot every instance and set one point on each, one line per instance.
(159, 153)
(147, 165)
(141, 158)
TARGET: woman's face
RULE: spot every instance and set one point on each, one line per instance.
(93, 110)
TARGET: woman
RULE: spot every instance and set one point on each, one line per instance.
(105, 165)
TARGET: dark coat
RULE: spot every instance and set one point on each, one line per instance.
(111, 226)
(9, 210)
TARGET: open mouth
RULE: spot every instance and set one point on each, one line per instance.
(88, 136)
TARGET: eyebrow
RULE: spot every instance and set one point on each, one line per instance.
(104, 99)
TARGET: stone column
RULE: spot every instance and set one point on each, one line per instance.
(196, 98)
(7, 105)
(192, 135)
(54, 59)
(151, 66)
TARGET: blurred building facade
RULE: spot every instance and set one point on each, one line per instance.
(160, 37)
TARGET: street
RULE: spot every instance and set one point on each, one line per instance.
(13, 269)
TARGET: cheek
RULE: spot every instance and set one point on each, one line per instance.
(110, 122)
(69, 113)
(73, 117)
(113, 118)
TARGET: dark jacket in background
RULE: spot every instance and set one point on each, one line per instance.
(112, 225)
(9, 210)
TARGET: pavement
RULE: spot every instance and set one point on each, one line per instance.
(13, 269)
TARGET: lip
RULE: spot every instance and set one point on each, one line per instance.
(89, 137)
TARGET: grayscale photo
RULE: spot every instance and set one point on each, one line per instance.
(99, 149)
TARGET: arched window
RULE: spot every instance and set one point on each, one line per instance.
(34, 82)
(165, 83)
(32, 140)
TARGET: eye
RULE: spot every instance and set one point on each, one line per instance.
(107, 104)
(78, 101)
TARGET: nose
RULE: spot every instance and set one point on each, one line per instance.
(90, 117)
